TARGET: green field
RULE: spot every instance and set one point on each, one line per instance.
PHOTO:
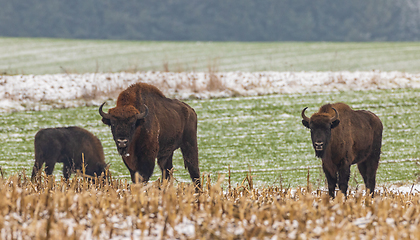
(261, 133)
(42, 56)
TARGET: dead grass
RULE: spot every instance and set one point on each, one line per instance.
(214, 83)
(78, 209)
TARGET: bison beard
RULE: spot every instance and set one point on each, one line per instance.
(319, 153)
(346, 137)
(147, 126)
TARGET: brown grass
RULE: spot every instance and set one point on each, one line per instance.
(214, 83)
(78, 209)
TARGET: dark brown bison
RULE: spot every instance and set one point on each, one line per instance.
(342, 137)
(67, 145)
(146, 125)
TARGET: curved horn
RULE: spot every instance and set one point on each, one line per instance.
(304, 116)
(104, 115)
(143, 114)
(336, 115)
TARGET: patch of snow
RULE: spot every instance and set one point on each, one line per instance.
(186, 228)
(415, 188)
(42, 92)
(363, 222)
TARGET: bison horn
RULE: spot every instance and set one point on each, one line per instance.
(336, 115)
(304, 116)
(104, 115)
(143, 114)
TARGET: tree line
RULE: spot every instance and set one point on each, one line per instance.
(215, 20)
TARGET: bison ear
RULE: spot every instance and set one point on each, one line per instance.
(335, 123)
(139, 122)
(106, 121)
(305, 123)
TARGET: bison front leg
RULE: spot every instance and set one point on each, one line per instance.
(49, 167)
(145, 169)
(343, 179)
(331, 180)
(66, 170)
(142, 165)
(139, 176)
(36, 169)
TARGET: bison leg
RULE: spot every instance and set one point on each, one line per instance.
(145, 169)
(368, 171)
(189, 151)
(369, 167)
(343, 179)
(49, 167)
(37, 167)
(165, 164)
(331, 180)
(66, 171)
(40, 156)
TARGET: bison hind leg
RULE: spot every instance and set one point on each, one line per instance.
(190, 155)
(368, 171)
(166, 165)
(369, 167)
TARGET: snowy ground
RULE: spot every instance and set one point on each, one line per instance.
(41, 92)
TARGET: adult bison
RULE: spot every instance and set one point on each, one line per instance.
(146, 125)
(67, 145)
(342, 137)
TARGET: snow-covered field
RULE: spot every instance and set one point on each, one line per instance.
(42, 92)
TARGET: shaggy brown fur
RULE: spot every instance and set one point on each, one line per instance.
(67, 145)
(164, 126)
(354, 138)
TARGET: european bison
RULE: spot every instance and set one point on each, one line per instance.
(342, 137)
(146, 125)
(67, 145)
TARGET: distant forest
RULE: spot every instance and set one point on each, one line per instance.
(213, 20)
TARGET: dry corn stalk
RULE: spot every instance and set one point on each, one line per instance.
(80, 209)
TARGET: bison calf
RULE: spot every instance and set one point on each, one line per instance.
(342, 137)
(67, 145)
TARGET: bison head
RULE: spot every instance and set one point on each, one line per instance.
(320, 125)
(124, 120)
(97, 168)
